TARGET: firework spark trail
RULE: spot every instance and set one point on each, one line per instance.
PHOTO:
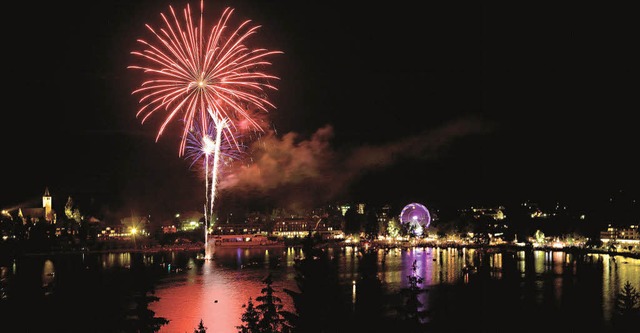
(213, 80)
(212, 144)
(206, 143)
(190, 73)
(221, 124)
(200, 141)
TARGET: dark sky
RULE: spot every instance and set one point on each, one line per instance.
(441, 103)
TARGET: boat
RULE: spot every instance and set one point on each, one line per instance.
(246, 240)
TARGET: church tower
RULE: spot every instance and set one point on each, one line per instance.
(46, 204)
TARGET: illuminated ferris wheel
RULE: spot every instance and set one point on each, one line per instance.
(417, 216)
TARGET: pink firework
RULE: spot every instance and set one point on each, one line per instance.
(192, 71)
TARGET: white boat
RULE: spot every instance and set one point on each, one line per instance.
(246, 240)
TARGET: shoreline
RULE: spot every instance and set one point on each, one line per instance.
(502, 248)
(200, 247)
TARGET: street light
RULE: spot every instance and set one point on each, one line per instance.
(134, 231)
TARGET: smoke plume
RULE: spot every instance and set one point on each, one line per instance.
(295, 172)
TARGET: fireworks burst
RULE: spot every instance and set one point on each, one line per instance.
(212, 79)
(191, 70)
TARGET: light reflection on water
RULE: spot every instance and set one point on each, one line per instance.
(110, 260)
(616, 271)
(215, 290)
(226, 279)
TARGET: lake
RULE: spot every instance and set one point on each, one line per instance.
(505, 291)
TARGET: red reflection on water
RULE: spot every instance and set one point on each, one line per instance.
(214, 294)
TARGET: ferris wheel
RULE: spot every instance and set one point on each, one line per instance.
(417, 217)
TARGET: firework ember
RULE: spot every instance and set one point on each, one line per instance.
(190, 70)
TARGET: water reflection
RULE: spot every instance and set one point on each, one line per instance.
(216, 290)
(536, 284)
(111, 260)
(4, 278)
(540, 259)
(521, 263)
(48, 277)
(616, 270)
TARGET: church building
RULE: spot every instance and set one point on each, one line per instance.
(35, 214)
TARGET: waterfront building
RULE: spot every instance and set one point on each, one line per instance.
(621, 237)
(301, 227)
(238, 228)
(36, 214)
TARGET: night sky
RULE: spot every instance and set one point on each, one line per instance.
(443, 104)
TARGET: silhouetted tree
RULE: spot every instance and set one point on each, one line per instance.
(250, 319)
(319, 302)
(352, 222)
(269, 309)
(141, 319)
(627, 315)
(200, 328)
(412, 312)
(267, 316)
